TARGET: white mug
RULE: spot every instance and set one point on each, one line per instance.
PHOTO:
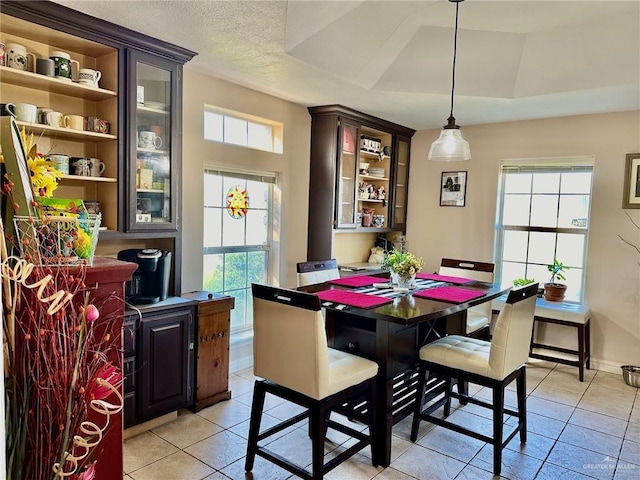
(96, 167)
(87, 76)
(16, 56)
(55, 119)
(26, 112)
(149, 140)
(42, 115)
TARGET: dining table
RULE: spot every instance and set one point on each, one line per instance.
(365, 315)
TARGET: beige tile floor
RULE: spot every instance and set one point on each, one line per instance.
(576, 431)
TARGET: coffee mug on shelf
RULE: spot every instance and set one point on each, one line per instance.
(149, 140)
(63, 65)
(46, 66)
(60, 162)
(25, 112)
(54, 119)
(16, 56)
(41, 115)
(2, 54)
(75, 122)
(81, 166)
(6, 109)
(96, 167)
(87, 76)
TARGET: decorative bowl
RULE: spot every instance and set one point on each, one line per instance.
(631, 375)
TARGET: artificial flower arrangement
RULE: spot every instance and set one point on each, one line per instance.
(403, 264)
(44, 176)
(61, 385)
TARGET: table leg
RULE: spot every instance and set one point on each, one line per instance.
(385, 421)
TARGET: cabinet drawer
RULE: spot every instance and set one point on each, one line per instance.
(128, 370)
(129, 336)
(356, 341)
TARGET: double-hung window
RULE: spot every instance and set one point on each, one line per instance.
(543, 214)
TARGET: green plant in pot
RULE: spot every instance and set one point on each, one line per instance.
(553, 290)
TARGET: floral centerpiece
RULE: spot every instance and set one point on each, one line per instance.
(403, 267)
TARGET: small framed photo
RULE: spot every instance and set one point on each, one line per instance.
(631, 192)
(453, 189)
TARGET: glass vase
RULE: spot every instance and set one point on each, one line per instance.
(406, 281)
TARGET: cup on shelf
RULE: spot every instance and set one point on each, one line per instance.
(89, 77)
(6, 109)
(54, 119)
(149, 140)
(25, 112)
(75, 122)
(41, 115)
(2, 54)
(92, 206)
(60, 162)
(81, 166)
(46, 66)
(96, 167)
(16, 56)
(63, 65)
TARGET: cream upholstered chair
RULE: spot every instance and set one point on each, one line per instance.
(317, 272)
(478, 317)
(492, 364)
(292, 357)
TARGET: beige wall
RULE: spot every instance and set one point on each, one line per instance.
(613, 272)
(292, 167)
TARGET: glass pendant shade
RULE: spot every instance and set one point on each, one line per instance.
(450, 147)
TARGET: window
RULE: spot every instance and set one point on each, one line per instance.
(237, 237)
(244, 130)
(543, 213)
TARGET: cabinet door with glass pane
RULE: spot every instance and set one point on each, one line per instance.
(153, 143)
(400, 183)
(346, 186)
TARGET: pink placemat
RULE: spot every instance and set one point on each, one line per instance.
(444, 278)
(360, 300)
(357, 281)
(449, 294)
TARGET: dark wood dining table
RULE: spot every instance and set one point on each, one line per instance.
(391, 335)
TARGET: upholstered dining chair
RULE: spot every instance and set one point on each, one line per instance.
(492, 364)
(317, 271)
(292, 358)
(478, 317)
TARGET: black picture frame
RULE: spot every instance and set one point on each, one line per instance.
(631, 191)
(453, 189)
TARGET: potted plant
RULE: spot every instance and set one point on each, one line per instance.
(554, 291)
(403, 267)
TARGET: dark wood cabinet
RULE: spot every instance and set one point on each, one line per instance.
(160, 360)
(212, 347)
(359, 169)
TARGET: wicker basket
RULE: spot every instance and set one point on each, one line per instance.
(57, 240)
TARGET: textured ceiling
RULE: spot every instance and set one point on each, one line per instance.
(516, 59)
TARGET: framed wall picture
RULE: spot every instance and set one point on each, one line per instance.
(453, 189)
(631, 192)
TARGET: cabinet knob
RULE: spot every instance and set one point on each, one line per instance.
(353, 345)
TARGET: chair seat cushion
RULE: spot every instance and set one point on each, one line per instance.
(456, 351)
(346, 370)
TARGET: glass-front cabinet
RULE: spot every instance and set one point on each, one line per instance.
(346, 185)
(152, 189)
(400, 183)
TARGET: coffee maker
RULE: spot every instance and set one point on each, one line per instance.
(150, 282)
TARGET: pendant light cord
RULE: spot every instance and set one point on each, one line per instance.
(455, 49)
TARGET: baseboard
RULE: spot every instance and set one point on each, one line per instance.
(606, 366)
(149, 425)
(240, 353)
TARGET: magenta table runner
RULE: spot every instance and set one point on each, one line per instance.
(444, 278)
(449, 294)
(360, 300)
(357, 281)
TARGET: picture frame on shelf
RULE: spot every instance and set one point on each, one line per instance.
(631, 191)
(453, 189)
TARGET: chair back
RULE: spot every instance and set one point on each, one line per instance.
(481, 271)
(317, 272)
(512, 332)
(289, 342)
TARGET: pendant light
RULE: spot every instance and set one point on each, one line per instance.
(450, 146)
